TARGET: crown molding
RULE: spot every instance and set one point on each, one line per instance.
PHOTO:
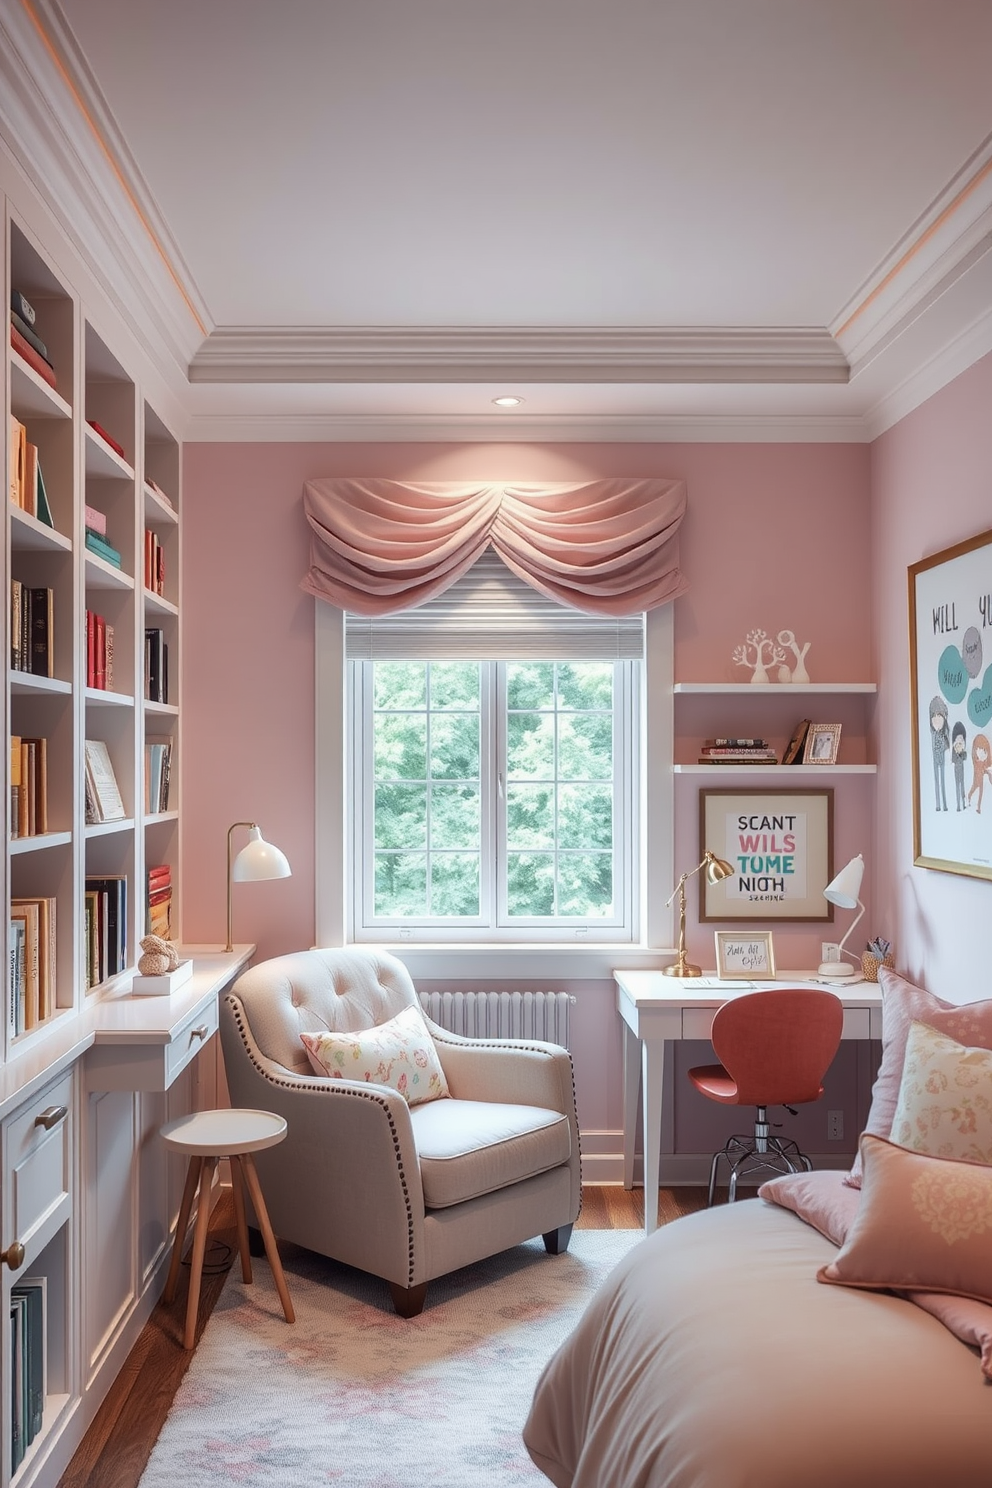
(950, 362)
(65, 142)
(242, 428)
(583, 354)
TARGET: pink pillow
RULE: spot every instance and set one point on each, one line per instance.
(818, 1198)
(903, 1004)
(923, 1224)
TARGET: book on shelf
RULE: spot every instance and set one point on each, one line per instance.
(43, 510)
(732, 743)
(15, 972)
(153, 485)
(42, 630)
(740, 757)
(15, 785)
(95, 521)
(100, 653)
(17, 449)
(158, 766)
(106, 906)
(36, 995)
(103, 792)
(18, 1305)
(794, 749)
(158, 908)
(32, 786)
(107, 438)
(30, 336)
(154, 563)
(27, 353)
(156, 665)
(22, 306)
(34, 1291)
(101, 548)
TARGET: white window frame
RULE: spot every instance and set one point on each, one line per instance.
(591, 958)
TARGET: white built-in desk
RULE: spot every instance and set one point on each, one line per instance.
(656, 1009)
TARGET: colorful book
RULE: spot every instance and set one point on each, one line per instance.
(42, 633)
(22, 306)
(27, 353)
(107, 438)
(102, 548)
(30, 336)
(96, 521)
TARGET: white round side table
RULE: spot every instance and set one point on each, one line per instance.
(207, 1136)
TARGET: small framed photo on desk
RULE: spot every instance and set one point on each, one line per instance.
(748, 956)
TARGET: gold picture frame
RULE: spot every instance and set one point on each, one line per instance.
(746, 955)
(822, 744)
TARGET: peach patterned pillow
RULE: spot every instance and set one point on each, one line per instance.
(903, 1004)
(400, 1054)
(945, 1099)
(923, 1224)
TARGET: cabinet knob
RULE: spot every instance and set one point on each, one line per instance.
(13, 1255)
(200, 1031)
(51, 1117)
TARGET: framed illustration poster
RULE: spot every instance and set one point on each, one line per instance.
(780, 846)
(950, 653)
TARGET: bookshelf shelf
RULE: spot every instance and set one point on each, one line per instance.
(30, 394)
(103, 575)
(19, 846)
(157, 818)
(163, 710)
(773, 689)
(102, 461)
(25, 683)
(158, 511)
(155, 604)
(772, 711)
(108, 829)
(777, 772)
(27, 534)
(105, 697)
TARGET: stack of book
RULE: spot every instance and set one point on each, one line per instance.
(27, 484)
(95, 537)
(106, 927)
(156, 666)
(31, 992)
(28, 786)
(32, 630)
(28, 1331)
(158, 768)
(158, 915)
(99, 652)
(154, 563)
(737, 751)
(25, 340)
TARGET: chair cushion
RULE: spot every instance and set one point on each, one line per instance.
(399, 1053)
(468, 1148)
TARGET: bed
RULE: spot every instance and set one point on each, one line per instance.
(713, 1358)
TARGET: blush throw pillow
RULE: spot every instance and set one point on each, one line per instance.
(903, 1004)
(400, 1054)
(923, 1224)
(945, 1098)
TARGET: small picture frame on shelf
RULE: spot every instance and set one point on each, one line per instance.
(822, 744)
(794, 748)
(749, 956)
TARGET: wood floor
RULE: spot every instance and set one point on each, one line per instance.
(115, 1450)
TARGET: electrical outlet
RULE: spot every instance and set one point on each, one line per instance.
(830, 951)
(835, 1126)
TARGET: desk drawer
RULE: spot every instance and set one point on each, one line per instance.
(697, 1022)
(38, 1160)
(137, 1065)
(189, 1040)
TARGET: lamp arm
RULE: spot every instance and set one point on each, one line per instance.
(842, 946)
(230, 920)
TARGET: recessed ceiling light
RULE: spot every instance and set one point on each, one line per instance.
(507, 401)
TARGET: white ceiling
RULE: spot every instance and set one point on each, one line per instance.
(386, 213)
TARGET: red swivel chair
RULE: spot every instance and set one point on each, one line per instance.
(774, 1047)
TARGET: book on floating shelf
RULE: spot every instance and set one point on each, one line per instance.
(103, 549)
(107, 438)
(103, 797)
(34, 359)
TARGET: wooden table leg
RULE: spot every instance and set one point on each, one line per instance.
(238, 1191)
(182, 1224)
(262, 1215)
(199, 1249)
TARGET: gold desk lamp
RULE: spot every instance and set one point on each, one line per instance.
(716, 871)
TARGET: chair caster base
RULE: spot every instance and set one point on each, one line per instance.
(556, 1241)
(408, 1301)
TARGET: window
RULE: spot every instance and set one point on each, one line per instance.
(494, 799)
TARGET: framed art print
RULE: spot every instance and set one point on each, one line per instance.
(744, 954)
(780, 846)
(950, 655)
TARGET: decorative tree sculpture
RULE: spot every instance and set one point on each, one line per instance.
(760, 652)
(788, 638)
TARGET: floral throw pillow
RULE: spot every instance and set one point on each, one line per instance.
(400, 1054)
(945, 1098)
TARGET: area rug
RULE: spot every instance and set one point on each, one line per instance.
(354, 1396)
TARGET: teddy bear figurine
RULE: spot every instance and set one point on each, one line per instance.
(160, 956)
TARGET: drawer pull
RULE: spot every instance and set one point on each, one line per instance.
(201, 1031)
(13, 1255)
(51, 1117)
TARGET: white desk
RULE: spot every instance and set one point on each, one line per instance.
(657, 1008)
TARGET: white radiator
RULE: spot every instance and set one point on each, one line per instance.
(502, 1014)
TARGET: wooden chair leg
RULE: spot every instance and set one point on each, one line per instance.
(408, 1301)
(262, 1215)
(556, 1241)
(182, 1224)
(199, 1249)
(238, 1192)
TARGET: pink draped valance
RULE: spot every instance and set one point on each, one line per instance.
(606, 546)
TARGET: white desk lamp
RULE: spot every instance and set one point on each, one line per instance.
(257, 860)
(843, 891)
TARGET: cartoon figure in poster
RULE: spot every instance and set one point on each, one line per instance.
(940, 739)
(959, 755)
(981, 759)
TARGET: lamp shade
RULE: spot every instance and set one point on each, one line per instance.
(259, 860)
(845, 888)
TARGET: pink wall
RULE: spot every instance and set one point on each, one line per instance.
(776, 536)
(931, 481)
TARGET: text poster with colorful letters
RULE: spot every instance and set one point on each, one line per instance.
(950, 634)
(780, 846)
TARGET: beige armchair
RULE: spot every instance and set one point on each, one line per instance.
(406, 1193)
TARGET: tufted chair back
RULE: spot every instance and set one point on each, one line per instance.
(308, 991)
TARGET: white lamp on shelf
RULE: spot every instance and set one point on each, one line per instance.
(843, 891)
(256, 861)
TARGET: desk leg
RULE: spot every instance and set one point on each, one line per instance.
(631, 1090)
(652, 1074)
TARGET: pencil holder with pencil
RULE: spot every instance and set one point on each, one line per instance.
(879, 953)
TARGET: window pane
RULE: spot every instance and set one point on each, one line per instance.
(454, 684)
(585, 885)
(400, 746)
(401, 884)
(530, 746)
(530, 684)
(456, 816)
(454, 884)
(400, 816)
(585, 685)
(400, 684)
(585, 816)
(530, 816)
(585, 746)
(530, 884)
(455, 746)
